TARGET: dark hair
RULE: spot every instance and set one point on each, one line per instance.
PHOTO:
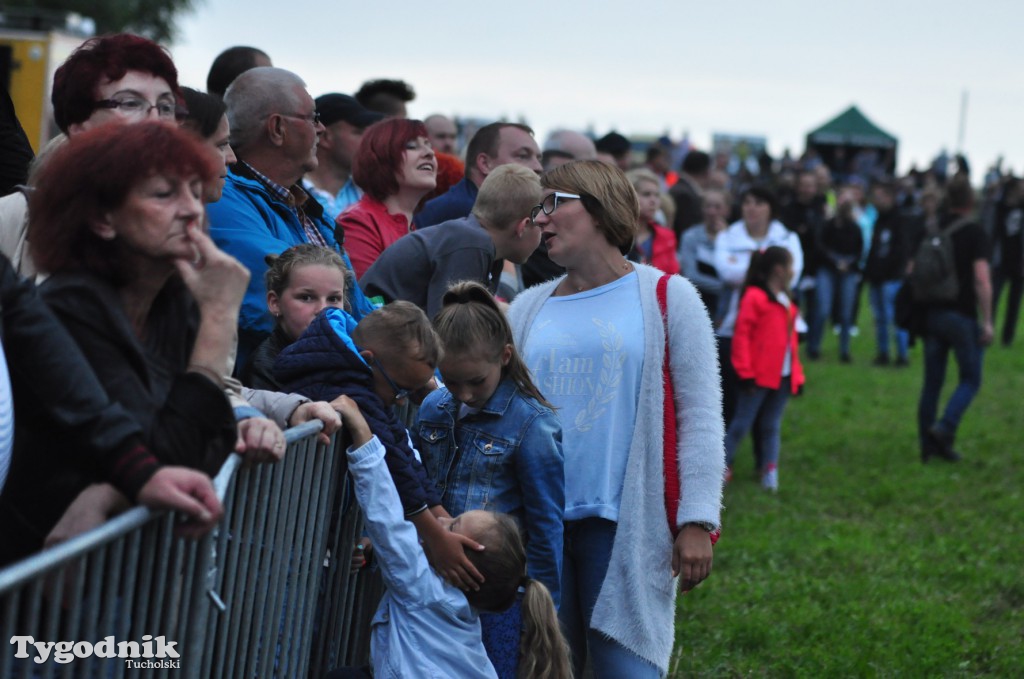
(614, 144)
(204, 114)
(487, 140)
(108, 57)
(229, 64)
(92, 174)
(762, 262)
(470, 323)
(379, 158)
(384, 95)
(543, 652)
(762, 194)
(696, 163)
(959, 194)
(394, 328)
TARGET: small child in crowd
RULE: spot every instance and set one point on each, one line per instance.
(490, 441)
(765, 357)
(424, 627)
(301, 281)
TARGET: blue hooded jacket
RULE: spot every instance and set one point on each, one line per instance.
(325, 363)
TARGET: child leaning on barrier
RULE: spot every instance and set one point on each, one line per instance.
(387, 359)
(490, 441)
(424, 626)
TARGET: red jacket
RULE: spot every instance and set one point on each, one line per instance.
(663, 249)
(763, 329)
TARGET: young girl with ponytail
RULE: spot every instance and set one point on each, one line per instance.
(490, 441)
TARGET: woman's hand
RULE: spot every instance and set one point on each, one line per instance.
(216, 280)
(187, 492)
(93, 507)
(691, 556)
(260, 440)
(317, 410)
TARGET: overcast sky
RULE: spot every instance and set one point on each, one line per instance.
(776, 69)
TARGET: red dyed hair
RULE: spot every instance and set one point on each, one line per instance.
(108, 57)
(450, 171)
(379, 158)
(91, 175)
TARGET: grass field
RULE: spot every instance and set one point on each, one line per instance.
(868, 563)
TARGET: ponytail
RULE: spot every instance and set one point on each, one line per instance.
(470, 322)
(762, 262)
(543, 652)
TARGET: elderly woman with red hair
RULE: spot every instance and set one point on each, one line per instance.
(395, 166)
(149, 299)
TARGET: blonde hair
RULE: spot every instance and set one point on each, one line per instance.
(543, 652)
(606, 195)
(397, 328)
(280, 267)
(470, 322)
(507, 196)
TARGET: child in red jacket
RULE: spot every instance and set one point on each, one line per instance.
(764, 354)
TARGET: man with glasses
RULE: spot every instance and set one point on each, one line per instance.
(264, 209)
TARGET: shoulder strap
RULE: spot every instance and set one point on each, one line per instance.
(956, 226)
(669, 438)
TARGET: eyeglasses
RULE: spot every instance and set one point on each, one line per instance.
(400, 394)
(313, 117)
(137, 107)
(551, 203)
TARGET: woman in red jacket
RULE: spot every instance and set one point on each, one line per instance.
(765, 356)
(654, 244)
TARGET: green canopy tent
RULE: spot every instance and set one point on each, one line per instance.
(850, 143)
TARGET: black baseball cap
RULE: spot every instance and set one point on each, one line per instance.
(334, 107)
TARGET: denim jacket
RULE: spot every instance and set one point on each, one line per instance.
(506, 458)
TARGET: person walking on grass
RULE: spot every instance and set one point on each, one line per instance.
(765, 357)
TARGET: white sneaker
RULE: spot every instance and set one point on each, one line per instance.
(770, 478)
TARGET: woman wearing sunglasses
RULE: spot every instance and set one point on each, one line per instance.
(595, 340)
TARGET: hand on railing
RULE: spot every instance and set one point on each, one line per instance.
(93, 507)
(188, 492)
(317, 410)
(260, 440)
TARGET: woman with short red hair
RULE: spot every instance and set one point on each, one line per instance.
(116, 218)
(395, 167)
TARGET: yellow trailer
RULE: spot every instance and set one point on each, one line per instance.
(28, 60)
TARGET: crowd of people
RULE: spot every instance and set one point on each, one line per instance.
(185, 274)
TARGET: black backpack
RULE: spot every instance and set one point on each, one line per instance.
(934, 278)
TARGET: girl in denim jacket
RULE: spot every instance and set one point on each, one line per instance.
(490, 441)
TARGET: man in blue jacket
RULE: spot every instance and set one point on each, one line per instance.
(264, 209)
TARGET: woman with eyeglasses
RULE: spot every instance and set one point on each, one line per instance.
(596, 343)
(396, 168)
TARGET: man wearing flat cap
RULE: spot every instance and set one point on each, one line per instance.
(344, 120)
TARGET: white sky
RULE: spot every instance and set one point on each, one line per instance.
(778, 68)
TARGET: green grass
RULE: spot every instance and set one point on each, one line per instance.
(868, 563)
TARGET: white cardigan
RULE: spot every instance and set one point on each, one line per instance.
(636, 606)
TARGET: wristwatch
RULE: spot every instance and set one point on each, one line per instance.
(706, 527)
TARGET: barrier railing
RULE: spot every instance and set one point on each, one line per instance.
(268, 593)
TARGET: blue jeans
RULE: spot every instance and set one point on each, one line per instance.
(949, 330)
(588, 549)
(828, 281)
(766, 406)
(883, 307)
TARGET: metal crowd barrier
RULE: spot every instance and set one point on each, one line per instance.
(266, 594)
